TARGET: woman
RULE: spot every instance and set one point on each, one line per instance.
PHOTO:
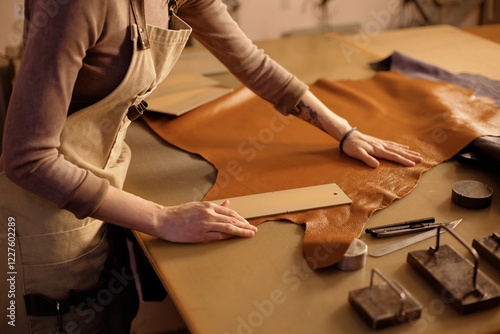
(86, 68)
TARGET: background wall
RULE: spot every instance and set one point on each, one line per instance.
(263, 19)
(11, 23)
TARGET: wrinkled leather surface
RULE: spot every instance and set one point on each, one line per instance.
(484, 151)
(413, 68)
(256, 149)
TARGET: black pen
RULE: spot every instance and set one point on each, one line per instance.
(406, 223)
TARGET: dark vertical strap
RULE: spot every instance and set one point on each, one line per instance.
(140, 19)
(172, 9)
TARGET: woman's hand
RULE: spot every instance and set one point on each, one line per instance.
(357, 145)
(367, 148)
(202, 221)
(189, 222)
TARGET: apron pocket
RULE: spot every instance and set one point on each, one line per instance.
(55, 280)
(58, 247)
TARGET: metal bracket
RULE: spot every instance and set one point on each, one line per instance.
(459, 282)
(384, 304)
(489, 248)
(469, 248)
(402, 295)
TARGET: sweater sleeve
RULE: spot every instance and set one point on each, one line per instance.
(57, 37)
(216, 30)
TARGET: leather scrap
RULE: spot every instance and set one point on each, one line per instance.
(256, 149)
(484, 151)
(413, 68)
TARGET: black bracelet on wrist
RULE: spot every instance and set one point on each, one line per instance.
(346, 136)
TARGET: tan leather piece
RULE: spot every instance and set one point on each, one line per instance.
(256, 149)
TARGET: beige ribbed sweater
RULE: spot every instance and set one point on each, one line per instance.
(76, 52)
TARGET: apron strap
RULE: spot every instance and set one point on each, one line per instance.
(140, 19)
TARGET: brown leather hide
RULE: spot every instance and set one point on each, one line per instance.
(256, 149)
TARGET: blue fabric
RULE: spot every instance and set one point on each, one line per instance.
(483, 86)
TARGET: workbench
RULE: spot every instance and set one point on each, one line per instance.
(263, 284)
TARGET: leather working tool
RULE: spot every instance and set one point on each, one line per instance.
(466, 287)
(412, 226)
(412, 240)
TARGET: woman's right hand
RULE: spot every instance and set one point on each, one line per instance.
(202, 221)
(189, 222)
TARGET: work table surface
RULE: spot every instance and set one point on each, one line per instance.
(262, 284)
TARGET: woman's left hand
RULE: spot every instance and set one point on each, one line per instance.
(368, 148)
(357, 144)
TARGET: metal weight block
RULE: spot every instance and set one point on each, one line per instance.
(458, 281)
(489, 248)
(384, 304)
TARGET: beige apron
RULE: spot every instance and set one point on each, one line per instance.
(57, 255)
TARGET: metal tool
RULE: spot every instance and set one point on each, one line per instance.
(384, 304)
(489, 248)
(407, 223)
(402, 229)
(454, 277)
(355, 256)
(412, 240)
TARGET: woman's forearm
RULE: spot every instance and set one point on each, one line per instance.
(312, 110)
(355, 144)
(189, 222)
(130, 211)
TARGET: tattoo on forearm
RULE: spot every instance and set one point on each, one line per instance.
(306, 113)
